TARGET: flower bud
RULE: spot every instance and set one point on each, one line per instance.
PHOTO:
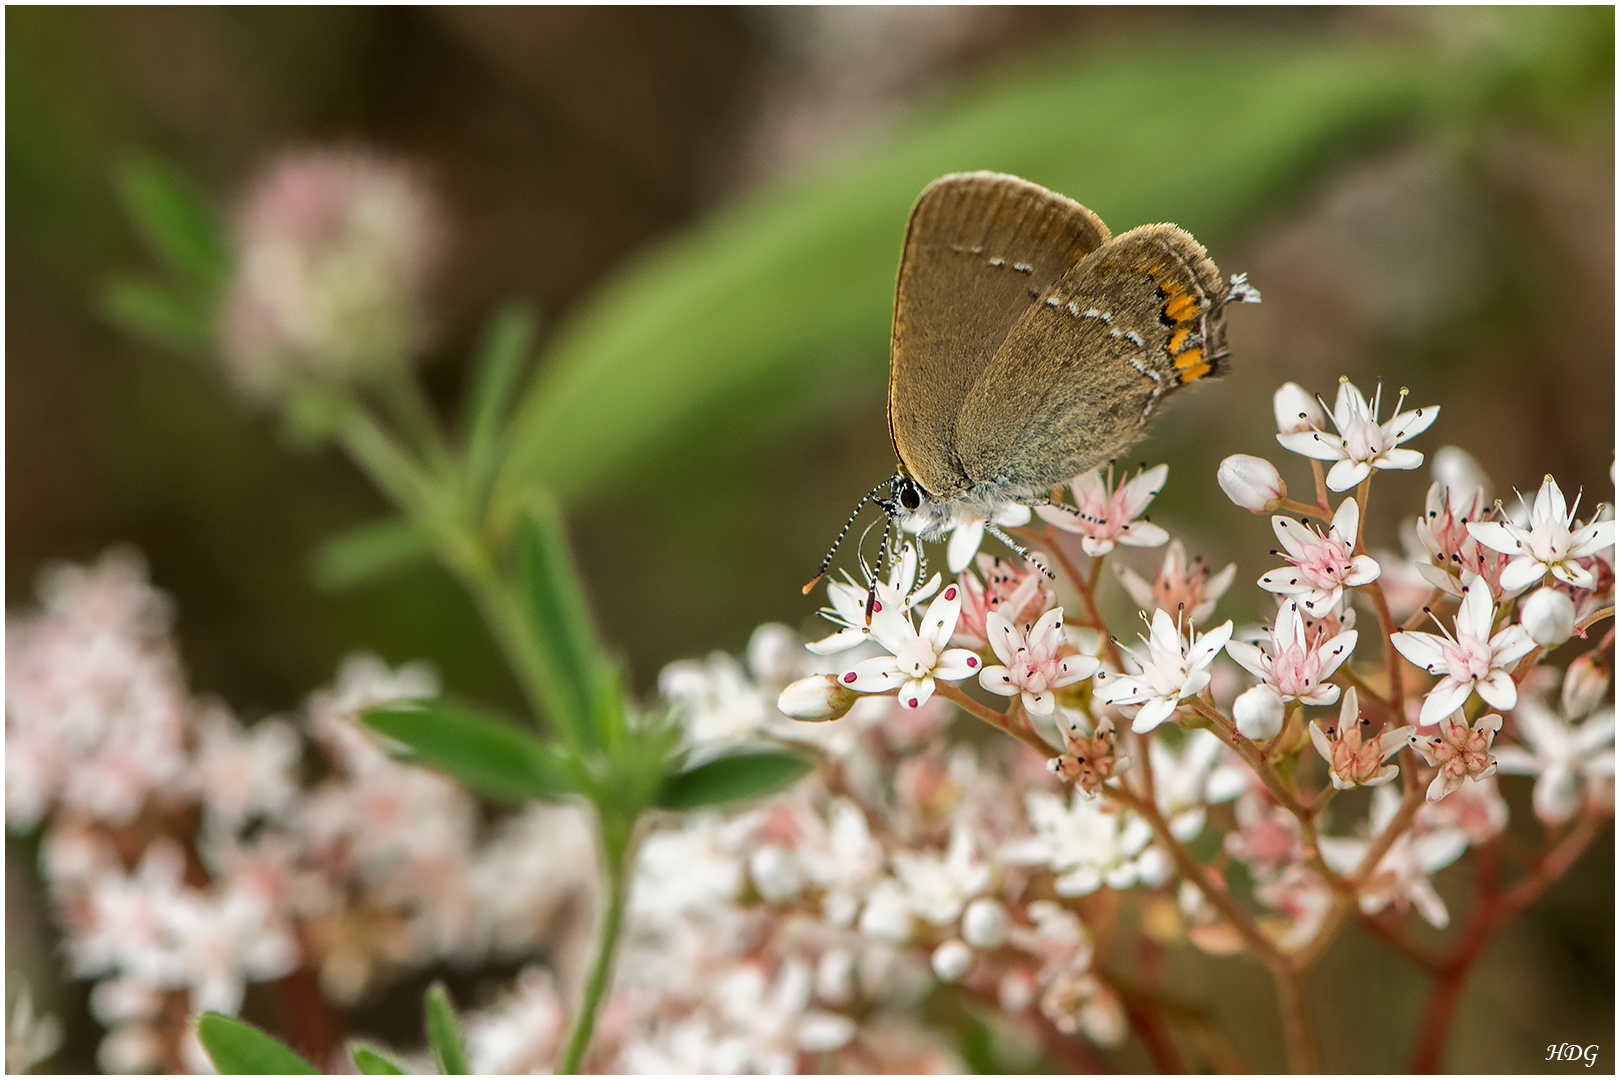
(774, 653)
(1585, 684)
(1456, 470)
(1253, 483)
(820, 697)
(333, 253)
(951, 961)
(1259, 712)
(984, 924)
(1296, 410)
(1549, 616)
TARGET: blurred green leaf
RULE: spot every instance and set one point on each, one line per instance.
(508, 344)
(444, 1035)
(780, 305)
(742, 775)
(152, 310)
(488, 755)
(240, 1049)
(175, 220)
(369, 552)
(371, 1061)
(559, 619)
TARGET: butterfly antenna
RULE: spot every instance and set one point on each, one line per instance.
(841, 534)
(995, 530)
(883, 564)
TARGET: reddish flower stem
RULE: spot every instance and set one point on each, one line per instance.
(1491, 908)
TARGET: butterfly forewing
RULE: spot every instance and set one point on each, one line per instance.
(1088, 363)
(980, 250)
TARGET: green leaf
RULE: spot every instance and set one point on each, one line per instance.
(507, 346)
(491, 756)
(371, 1061)
(777, 310)
(444, 1036)
(238, 1048)
(175, 220)
(154, 311)
(559, 621)
(742, 775)
(369, 552)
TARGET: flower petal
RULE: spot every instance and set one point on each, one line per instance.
(1142, 534)
(1347, 474)
(1314, 444)
(1399, 458)
(1498, 690)
(965, 541)
(1446, 698)
(1403, 426)
(1250, 658)
(874, 676)
(957, 664)
(1153, 714)
(1424, 650)
(1522, 571)
(998, 680)
(914, 693)
(939, 621)
(1497, 536)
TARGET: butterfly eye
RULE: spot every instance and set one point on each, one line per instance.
(910, 498)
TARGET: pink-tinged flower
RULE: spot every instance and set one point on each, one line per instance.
(334, 251)
(1251, 482)
(1551, 545)
(1194, 594)
(1030, 661)
(1267, 836)
(1296, 410)
(1090, 761)
(1402, 875)
(1457, 557)
(1560, 750)
(1173, 670)
(847, 602)
(1105, 517)
(1296, 669)
(1461, 752)
(967, 532)
(917, 658)
(1476, 807)
(1362, 444)
(1353, 759)
(1473, 660)
(1019, 595)
(1323, 566)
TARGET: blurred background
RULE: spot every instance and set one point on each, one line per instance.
(705, 207)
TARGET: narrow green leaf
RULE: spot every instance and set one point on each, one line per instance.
(743, 775)
(369, 552)
(157, 313)
(491, 756)
(175, 220)
(240, 1049)
(506, 348)
(444, 1035)
(371, 1061)
(559, 619)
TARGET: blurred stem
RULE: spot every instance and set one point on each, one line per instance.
(616, 834)
(1321, 489)
(1299, 1027)
(411, 411)
(1294, 506)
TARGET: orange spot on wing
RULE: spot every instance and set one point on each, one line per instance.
(1179, 338)
(1194, 373)
(1181, 307)
(1190, 357)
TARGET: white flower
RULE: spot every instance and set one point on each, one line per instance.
(30, 1037)
(1402, 875)
(246, 772)
(1185, 782)
(1559, 752)
(985, 924)
(1551, 544)
(951, 961)
(847, 602)
(1323, 565)
(522, 1032)
(1174, 670)
(1362, 444)
(937, 889)
(1105, 516)
(1088, 846)
(1295, 669)
(967, 532)
(1251, 482)
(918, 658)
(1473, 660)
(1030, 665)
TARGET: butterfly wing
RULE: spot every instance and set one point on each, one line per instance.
(980, 249)
(1088, 363)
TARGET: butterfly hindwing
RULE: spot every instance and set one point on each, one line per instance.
(1088, 363)
(980, 251)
